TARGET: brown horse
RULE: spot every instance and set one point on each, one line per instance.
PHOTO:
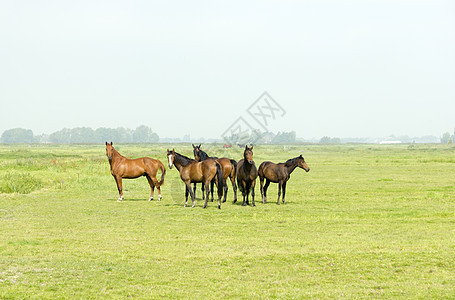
(192, 171)
(246, 175)
(279, 173)
(122, 167)
(228, 166)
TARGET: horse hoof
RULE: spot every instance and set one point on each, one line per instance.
(151, 198)
(159, 197)
(219, 206)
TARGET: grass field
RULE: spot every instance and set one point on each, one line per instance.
(368, 221)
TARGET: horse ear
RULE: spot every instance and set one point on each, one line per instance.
(200, 145)
(193, 146)
(111, 143)
(106, 143)
(251, 148)
(173, 151)
(301, 156)
(246, 147)
(167, 150)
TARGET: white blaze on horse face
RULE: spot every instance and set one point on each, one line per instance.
(170, 161)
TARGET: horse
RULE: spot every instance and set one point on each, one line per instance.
(228, 166)
(192, 171)
(246, 175)
(122, 167)
(279, 173)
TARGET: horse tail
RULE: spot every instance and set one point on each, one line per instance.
(163, 171)
(220, 178)
(234, 167)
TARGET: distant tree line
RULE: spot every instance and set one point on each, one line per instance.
(258, 137)
(82, 135)
(447, 138)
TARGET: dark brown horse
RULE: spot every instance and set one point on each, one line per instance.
(122, 167)
(192, 171)
(246, 175)
(228, 166)
(279, 173)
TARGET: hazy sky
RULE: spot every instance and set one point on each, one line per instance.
(338, 68)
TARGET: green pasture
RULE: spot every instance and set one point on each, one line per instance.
(368, 221)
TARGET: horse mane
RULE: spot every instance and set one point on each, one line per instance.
(292, 161)
(203, 155)
(183, 160)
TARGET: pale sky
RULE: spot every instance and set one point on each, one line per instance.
(338, 68)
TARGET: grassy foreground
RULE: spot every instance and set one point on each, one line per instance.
(368, 221)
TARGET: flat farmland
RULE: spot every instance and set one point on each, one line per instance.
(367, 221)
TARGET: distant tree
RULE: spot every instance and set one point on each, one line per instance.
(82, 135)
(62, 136)
(144, 134)
(325, 140)
(445, 138)
(329, 140)
(284, 138)
(17, 135)
(124, 135)
(106, 135)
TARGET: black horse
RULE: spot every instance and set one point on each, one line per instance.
(228, 167)
(247, 174)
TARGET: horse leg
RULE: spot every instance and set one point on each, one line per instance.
(194, 189)
(280, 184)
(203, 191)
(261, 181)
(253, 184)
(212, 183)
(152, 187)
(266, 186)
(193, 197)
(225, 187)
(234, 188)
(207, 193)
(118, 180)
(244, 193)
(157, 184)
(284, 191)
(186, 196)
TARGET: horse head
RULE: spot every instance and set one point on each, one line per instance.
(302, 164)
(248, 154)
(170, 157)
(109, 150)
(196, 152)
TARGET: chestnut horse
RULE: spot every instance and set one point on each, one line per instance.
(122, 167)
(246, 175)
(192, 171)
(279, 173)
(228, 166)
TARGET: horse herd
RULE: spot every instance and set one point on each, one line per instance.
(208, 171)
